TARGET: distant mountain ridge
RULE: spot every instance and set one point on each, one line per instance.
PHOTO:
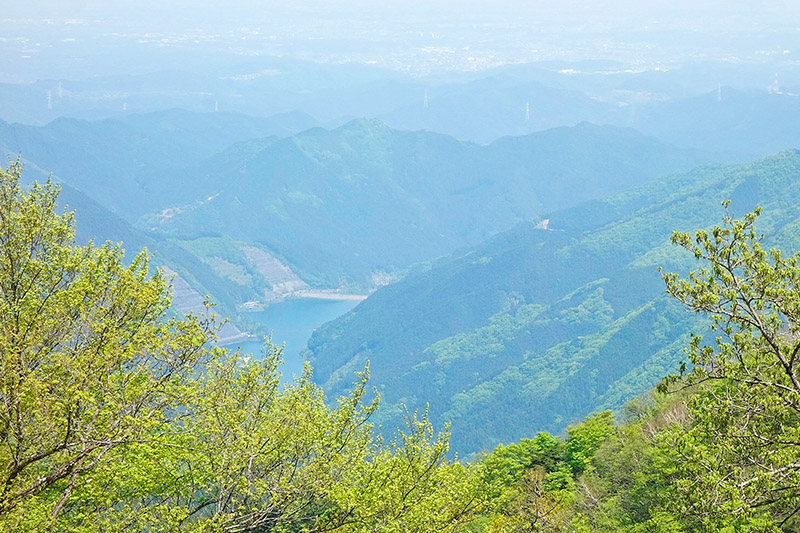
(342, 210)
(364, 198)
(126, 163)
(744, 124)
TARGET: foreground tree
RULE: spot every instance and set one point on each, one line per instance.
(89, 360)
(115, 416)
(738, 458)
(256, 455)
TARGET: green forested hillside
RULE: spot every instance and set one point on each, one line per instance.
(539, 327)
(714, 448)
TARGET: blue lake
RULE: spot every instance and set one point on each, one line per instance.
(293, 322)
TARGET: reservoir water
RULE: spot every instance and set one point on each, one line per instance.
(293, 322)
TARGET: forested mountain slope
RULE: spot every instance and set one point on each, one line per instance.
(364, 198)
(539, 327)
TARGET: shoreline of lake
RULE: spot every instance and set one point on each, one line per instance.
(293, 321)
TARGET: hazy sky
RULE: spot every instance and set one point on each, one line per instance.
(410, 35)
(390, 12)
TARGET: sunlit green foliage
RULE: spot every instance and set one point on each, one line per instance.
(115, 416)
(739, 456)
(533, 485)
(89, 360)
